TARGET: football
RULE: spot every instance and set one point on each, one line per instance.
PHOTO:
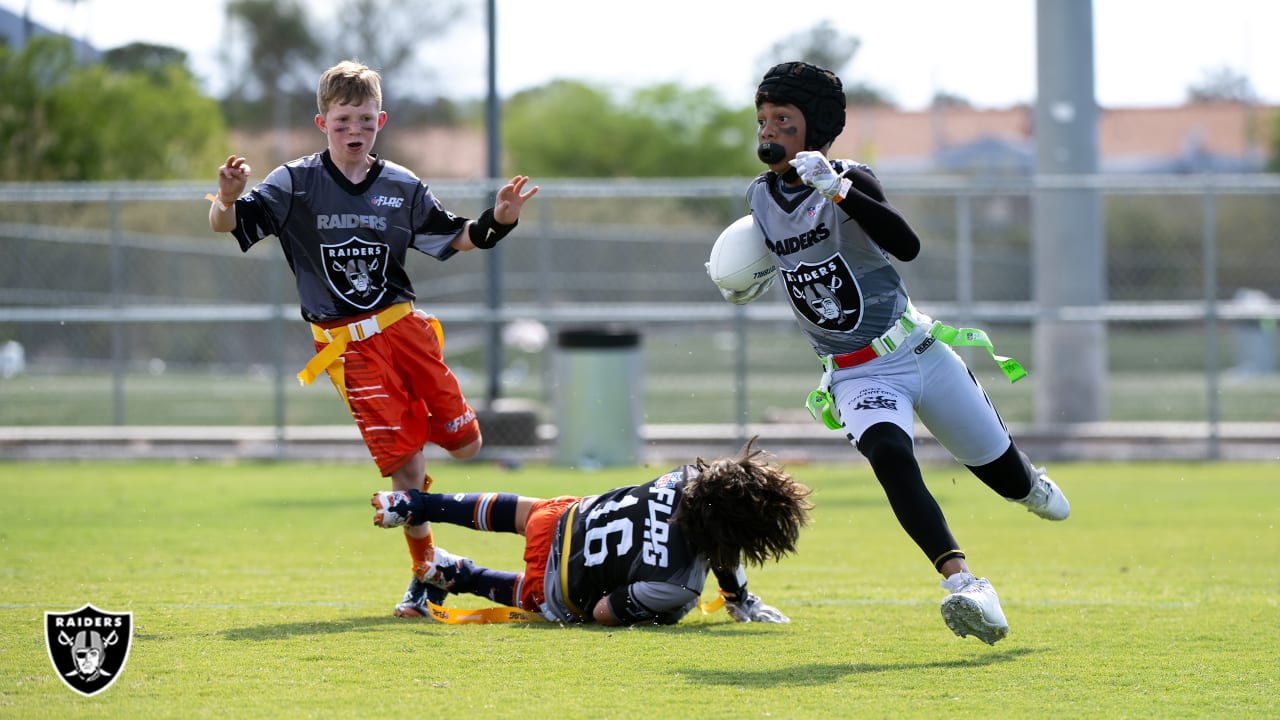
(739, 258)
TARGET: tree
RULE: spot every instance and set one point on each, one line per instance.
(392, 36)
(825, 46)
(144, 57)
(283, 52)
(1273, 162)
(570, 129)
(944, 99)
(63, 121)
(287, 49)
(822, 45)
(1222, 85)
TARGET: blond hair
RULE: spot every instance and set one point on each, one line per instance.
(348, 83)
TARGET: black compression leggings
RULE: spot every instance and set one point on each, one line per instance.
(1011, 474)
(893, 461)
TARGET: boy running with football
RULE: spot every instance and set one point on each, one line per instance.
(882, 357)
(346, 220)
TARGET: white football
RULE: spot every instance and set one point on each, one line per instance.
(739, 258)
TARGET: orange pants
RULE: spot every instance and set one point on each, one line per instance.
(539, 531)
(400, 392)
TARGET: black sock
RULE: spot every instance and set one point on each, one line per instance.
(498, 586)
(494, 512)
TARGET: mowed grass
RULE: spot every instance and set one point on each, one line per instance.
(264, 591)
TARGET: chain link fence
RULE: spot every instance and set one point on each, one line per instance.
(119, 308)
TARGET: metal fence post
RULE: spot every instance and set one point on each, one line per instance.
(740, 326)
(119, 361)
(276, 282)
(1213, 359)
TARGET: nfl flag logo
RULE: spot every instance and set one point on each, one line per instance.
(88, 647)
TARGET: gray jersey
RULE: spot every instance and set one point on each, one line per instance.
(346, 243)
(842, 287)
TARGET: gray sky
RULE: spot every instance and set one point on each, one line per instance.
(1146, 52)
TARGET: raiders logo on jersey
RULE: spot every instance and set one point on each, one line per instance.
(825, 293)
(357, 270)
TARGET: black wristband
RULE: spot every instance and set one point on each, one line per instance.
(487, 231)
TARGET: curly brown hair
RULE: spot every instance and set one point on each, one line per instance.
(742, 508)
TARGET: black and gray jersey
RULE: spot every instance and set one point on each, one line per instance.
(346, 243)
(624, 539)
(842, 287)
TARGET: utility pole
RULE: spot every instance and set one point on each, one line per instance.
(1069, 260)
(493, 353)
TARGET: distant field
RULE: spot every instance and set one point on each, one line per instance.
(687, 376)
(262, 590)
(690, 396)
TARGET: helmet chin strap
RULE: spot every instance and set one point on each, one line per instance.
(772, 153)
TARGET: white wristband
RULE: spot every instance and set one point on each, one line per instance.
(842, 191)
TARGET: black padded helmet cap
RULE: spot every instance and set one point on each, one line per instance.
(817, 92)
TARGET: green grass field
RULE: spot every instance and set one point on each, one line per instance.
(264, 591)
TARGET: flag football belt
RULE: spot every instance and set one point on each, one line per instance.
(882, 345)
(482, 616)
(339, 337)
(820, 403)
(505, 614)
(564, 562)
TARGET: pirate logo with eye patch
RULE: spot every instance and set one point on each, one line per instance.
(88, 647)
(357, 270)
(825, 293)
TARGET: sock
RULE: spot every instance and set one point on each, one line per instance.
(419, 550)
(494, 512)
(499, 586)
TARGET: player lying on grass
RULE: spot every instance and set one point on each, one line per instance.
(631, 555)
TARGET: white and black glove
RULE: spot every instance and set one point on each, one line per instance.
(753, 609)
(742, 297)
(816, 172)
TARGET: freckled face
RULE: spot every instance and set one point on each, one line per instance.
(351, 129)
(784, 125)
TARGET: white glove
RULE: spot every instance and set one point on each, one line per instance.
(753, 609)
(816, 172)
(742, 297)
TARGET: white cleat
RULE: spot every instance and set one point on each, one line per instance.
(1045, 499)
(972, 608)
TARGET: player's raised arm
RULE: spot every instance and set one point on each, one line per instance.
(232, 178)
(495, 223)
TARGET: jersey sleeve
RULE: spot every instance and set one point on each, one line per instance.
(868, 206)
(262, 212)
(649, 601)
(434, 227)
